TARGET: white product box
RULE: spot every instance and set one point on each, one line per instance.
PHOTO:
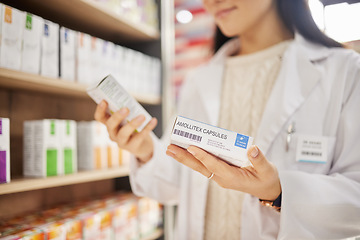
(11, 36)
(92, 145)
(68, 138)
(112, 60)
(4, 150)
(113, 154)
(30, 60)
(227, 145)
(42, 148)
(118, 65)
(97, 59)
(83, 58)
(117, 97)
(50, 50)
(67, 54)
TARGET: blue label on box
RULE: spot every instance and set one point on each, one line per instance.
(46, 30)
(241, 141)
(66, 35)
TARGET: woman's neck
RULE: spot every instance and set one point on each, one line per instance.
(264, 34)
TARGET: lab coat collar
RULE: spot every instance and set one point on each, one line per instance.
(296, 79)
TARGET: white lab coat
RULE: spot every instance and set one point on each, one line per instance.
(318, 89)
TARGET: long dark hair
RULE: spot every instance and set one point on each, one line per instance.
(296, 15)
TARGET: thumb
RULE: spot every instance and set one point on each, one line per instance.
(257, 158)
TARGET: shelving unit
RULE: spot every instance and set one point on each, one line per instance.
(90, 17)
(25, 96)
(31, 82)
(29, 184)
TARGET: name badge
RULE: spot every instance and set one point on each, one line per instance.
(312, 149)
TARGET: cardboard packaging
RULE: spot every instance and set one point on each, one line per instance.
(92, 145)
(11, 37)
(30, 60)
(4, 150)
(50, 50)
(83, 58)
(68, 139)
(42, 148)
(228, 145)
(67, 54)
(110, 90)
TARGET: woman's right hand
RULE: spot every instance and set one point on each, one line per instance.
(138, 143)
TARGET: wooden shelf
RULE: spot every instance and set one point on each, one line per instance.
(33, 82)
(28, 184)
(27, 81)
(90, 17)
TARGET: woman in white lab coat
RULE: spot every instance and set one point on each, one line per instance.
(306, 162)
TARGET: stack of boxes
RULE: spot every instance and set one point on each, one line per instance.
(121, 216)
(54, 147)
(50, 147)
(32, 44)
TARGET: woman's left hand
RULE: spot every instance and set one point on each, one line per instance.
(260, 180)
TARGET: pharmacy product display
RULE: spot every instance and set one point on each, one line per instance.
(4, 150)
(54, 147)
(32, 44)
(119, 216)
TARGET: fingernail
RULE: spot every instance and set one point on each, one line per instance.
(190, 150)
(171, 151)
(103, 104)
(139, 119)
(153, 121)
(123, 111)
(254, 152)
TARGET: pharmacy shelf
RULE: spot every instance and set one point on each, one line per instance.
(33, 82)
(27, 81)
(90, 17)
(28, 184)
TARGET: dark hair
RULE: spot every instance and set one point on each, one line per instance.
(296, 15)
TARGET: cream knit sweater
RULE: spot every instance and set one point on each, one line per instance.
(248, 80)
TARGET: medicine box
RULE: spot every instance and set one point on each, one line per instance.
(97, 60)
(67, 54)
(50, 50)
(12, 21)
(42, 148)
(110, 90)
(114, 154)
(228, 145)
(83, 58)
(32, 27)
(68, 139)
(92, 145)
(4, 150)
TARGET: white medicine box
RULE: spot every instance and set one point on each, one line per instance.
(67, 54)
(11, 36)
(31, 51)
(50, 50)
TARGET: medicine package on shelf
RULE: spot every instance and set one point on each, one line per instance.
(228, 145)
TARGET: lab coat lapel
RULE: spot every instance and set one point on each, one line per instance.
(296, 79)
